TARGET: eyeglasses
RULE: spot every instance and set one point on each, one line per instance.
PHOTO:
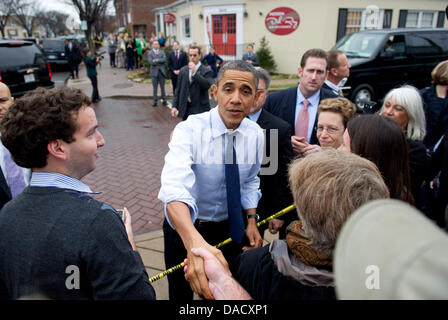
(330, 130)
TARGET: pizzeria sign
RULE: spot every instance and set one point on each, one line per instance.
(282, 21)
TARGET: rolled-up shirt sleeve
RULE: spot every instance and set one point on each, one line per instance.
(250, 190)
(178, 178)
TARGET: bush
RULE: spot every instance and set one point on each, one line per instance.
(265, 57)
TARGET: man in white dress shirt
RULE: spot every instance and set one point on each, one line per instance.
(196, 184)
(13, 179)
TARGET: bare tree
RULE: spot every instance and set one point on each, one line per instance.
(7, 9)
(89, 11)
(54, 22)
(28, 16)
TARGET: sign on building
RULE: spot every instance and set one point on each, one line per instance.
(169, 18)
(282, 21)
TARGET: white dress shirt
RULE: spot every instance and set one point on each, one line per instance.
(194, 170)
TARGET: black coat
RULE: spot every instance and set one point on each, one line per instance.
(418, 168)
(174, 64)
(258, 274)
(283, 104)
(275, 191)
(197, 90)
(436, 114)
(5, 192)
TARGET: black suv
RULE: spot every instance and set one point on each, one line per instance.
(23, 67)
(384, 59)
(54, 49)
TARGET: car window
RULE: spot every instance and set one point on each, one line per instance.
(424, 44)
(395, 45)
(362, 45)
(20, 55)
(54, 45)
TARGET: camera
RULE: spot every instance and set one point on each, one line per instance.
(367, 107)
(100, 55)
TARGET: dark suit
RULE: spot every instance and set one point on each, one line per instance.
(73, 57)
(176, 64)
(276, 194)
(5, 192)
(196, 91)
(283, 104)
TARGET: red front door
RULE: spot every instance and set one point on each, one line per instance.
(224, 34)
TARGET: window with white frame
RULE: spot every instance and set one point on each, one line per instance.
(421, 19)
(186, 27)
(357, 18)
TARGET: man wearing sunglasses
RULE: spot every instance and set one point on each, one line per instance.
(191, 95)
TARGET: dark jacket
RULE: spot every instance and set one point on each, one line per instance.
(275, 193)
(211, 61)
(5, 192)
(418, 169)
(257, 272)
(177, 64)
(48, 233)
(90, 63)
(282, 104)
(436, 114)
(197, 90)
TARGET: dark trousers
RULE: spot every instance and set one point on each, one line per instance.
(129, 63)
(174, 82)
(214, 232)
(160, 79)
(73, 69)
(95, 94)
(112, 59)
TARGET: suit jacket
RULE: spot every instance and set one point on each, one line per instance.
(174, 64)
(157, 62)
(254, 58)
(282, 104)
(197, 90)
(5, 192)
(276, 194)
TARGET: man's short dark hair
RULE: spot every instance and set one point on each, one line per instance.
(263, 74)
(333, 56)
(315, 53)
(196, 47)
(238, 65)
(38, 118)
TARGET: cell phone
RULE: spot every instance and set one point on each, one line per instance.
(121, 213)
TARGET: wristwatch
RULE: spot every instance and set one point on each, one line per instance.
(256, 216)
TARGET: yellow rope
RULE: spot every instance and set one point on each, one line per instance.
(219, 245)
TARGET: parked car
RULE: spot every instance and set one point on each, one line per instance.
(54, 49)
(23, 67)
(384, 59)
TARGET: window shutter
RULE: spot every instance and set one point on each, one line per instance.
(402, 18)
(342, 22)
(387, 20)
(441, 19)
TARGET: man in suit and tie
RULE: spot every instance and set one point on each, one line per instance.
(73, 57)
(251, 56)
(298, 105)
(13, 179)
(275, 193)
(339, 71)
(191, 96)
(176, 60)
(157, 59)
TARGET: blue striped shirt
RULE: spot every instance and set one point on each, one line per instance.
(53, 179)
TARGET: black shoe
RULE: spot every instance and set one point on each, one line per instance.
(165, 103)
(154, 104)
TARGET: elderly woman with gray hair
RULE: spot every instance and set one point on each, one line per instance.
(405, 106)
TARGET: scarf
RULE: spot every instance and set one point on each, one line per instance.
(298, 244)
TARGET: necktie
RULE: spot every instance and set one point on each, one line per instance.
(14, 174)
(301, 129)
(177, 56)
(236, 224)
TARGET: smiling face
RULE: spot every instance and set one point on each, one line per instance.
(330, 129)
(235, 93)
(398, 113)
(83, 152)
(312, 75)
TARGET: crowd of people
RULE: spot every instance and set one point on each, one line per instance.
(226, 168)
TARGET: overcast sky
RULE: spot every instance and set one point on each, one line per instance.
(59, 5)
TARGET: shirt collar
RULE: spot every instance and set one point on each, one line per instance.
(54, 179)
(218, 126)
(332, 85)
(314, 99)
(254, 116)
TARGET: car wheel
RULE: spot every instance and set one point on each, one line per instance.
(362, 93)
